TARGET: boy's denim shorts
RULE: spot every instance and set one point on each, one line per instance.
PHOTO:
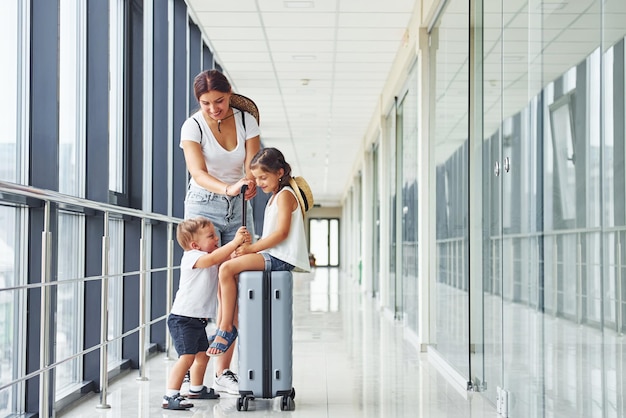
(275, 263)
(188, 334)
(226, 212)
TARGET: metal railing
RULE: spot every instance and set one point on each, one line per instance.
(557, 253)
(12, 194)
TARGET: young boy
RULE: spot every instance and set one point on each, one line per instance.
(194, 304)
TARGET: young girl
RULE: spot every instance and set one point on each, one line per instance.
(283, 242)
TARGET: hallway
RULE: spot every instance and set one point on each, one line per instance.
(349, 361)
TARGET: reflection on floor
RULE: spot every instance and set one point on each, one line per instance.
(349, 361)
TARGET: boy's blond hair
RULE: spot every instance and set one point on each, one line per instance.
(187, 230)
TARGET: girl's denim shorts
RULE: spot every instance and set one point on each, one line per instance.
(275, 263)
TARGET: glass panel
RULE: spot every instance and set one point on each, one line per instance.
(449, 137)
(69, 318)
(71, 95)
(115, 302)
(11, 77)
(318, 240)
(116, 99)
(398, 212)
(610, 293)
(409, 202)
(333, 241)
(389, 170)
(11, 337)
(376, 226)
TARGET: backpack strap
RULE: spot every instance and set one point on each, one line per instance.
(243, 119)
(199, 128)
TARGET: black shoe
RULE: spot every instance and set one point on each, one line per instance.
(176, 403)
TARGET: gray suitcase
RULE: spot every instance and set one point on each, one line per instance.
(265, 337)
(265, 301)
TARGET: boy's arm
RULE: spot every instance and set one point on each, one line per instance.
(221, 254)
(287, 203)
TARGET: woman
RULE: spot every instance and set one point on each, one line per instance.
(219, 141)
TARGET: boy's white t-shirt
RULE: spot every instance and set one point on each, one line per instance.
(197, 291)
(228, 166)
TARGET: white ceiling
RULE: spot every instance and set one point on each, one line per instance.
(315, 69)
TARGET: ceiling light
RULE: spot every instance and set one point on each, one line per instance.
(554, 5)
(298, 4)
(304, 57)
(305, 81)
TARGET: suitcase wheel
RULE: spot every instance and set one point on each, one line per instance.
(286, 403)
(242, 403)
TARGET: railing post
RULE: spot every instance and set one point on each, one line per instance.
(104, 317)
(619, 283)
(579, 279)
(170, 284)
(44, 334)
(555, 272)
(142, 302)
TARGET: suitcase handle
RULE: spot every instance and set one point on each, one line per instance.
(244, 206)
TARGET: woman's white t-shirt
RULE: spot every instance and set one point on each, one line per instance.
(227, 166)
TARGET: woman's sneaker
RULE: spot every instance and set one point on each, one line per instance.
(227, 382)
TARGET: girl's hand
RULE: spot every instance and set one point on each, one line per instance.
(242, 249)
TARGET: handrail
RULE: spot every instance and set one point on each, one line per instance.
(20, 190)
(18, 195)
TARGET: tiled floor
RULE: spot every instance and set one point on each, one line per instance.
(349, 361)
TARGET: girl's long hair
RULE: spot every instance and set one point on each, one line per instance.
(271, 160)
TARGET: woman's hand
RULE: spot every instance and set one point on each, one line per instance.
(235, 189)
(251, 190)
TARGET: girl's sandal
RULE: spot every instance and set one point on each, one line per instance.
(228, 336)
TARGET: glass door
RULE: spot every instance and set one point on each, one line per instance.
(486, 165)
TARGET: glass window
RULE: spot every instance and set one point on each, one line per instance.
(11, 337)
(115, 303)
(69, 317)
(71, 97)
(390, 169)
(116, 97)
(324, 241)
(449, 137)
(13, 105)
(409, 202)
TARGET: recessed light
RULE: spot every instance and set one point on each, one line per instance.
(304, 57)
(298, 4)
(554, 5)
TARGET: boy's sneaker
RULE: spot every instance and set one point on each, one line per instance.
(176, 403)
(227, 382)
(203, 394)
